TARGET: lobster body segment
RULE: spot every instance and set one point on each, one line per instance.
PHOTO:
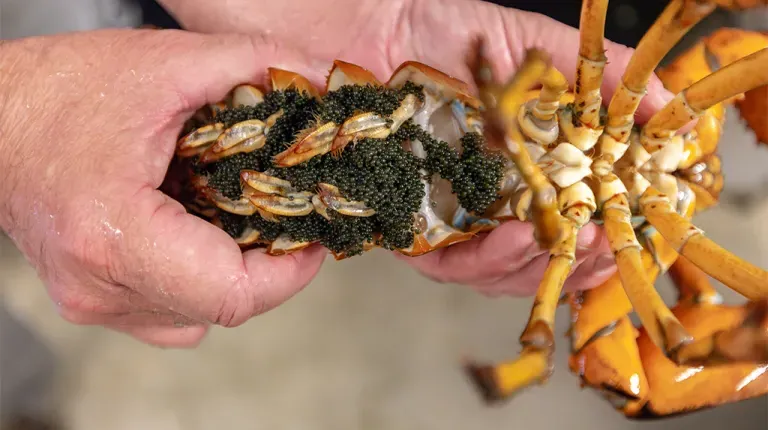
(416, 163)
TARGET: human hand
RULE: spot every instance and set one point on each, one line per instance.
(88, 127)
(381, 35)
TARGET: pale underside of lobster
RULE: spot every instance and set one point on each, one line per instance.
(418, 163)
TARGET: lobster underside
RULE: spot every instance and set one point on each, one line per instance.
(418, 163)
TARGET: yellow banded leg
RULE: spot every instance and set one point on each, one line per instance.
(591, 63)
(682, 388)
(534, 365)
(692, 284)
(689, 241)
(665, 330)
(736, 78)
(675, 21)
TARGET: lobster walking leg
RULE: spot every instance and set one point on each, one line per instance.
(634, 374)
(692, 284)
(534, 365)
(730, 81)
(676, 20)
(665, 330)
(746, 343)
(503, 126)
(690, 241)
(604, 353)
(679, 388)
(591, 63)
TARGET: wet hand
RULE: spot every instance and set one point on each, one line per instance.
(88, 128)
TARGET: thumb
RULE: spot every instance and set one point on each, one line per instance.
(563, 41)
(178, 260)
(192, 267)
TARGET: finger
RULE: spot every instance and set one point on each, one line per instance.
(527, 280)
(94, 302)
(494, 256)
(124, 314)
(206, 68)
(222, 61)
(504, 250)
(166, 337)
(591, 273)
(523, 282)
(197, 270)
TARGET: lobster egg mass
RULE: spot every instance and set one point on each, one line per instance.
(398, 166)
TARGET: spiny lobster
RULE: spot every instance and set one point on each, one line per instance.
(418, 163)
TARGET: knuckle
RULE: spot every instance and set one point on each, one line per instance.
(74, 309)
(91, 249)
(237, 306)
(263, 44)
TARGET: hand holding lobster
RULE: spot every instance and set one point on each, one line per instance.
(88, 127)
(381, 35)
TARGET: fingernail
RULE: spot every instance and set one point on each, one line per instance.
(604, 262)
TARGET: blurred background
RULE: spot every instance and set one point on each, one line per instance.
(334, 357)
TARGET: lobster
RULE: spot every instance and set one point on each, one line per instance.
(420, 163)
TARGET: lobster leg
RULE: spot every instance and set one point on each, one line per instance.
(635, 375)
(680, 388)
(719, 49)
(503, 126)
(716, 261)
(501, 381)
(603, 349)
(736, 78)
(692, 284)
(746, 343)
(665, 330)
(676, 20)
(591, 63)
(538, 118)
